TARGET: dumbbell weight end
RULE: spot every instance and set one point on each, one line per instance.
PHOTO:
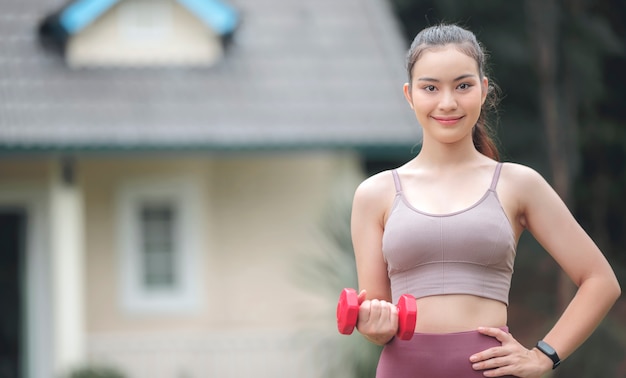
(347, 311)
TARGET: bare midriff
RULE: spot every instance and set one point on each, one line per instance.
(458, 313)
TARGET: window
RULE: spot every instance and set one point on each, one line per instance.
(158, 245)
(159, 223)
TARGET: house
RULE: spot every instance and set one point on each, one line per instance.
(162, 165)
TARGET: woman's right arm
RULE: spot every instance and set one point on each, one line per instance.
(378, 317)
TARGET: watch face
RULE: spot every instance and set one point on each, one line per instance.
(546, 348)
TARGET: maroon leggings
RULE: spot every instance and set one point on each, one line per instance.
(434, 355)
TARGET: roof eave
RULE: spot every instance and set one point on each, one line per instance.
(387, 149)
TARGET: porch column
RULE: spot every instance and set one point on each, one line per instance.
(67, 250)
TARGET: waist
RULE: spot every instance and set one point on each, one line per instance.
(458, 313)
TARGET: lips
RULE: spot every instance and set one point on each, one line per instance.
(447, 120)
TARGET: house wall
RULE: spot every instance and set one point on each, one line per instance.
(261, 224)
(262, 214)
(169, 36)
(15, 170)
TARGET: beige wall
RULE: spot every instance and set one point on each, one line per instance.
(262, 217)
(183, 39)
(15, 170)
(262, 214)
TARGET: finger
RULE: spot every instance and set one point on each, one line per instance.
(369, 312)
(393, 314)
(362, 296)
(499, 334)
(492, 363)
(376, 310)
(385, 311)
(393, 309)
(365, 311)
(499, 372)
(488, 354)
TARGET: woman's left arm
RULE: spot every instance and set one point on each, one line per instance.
(542, 212)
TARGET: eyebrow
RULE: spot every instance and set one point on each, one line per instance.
(437, 80)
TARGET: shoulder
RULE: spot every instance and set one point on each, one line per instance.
(376, 187)
(521, 176)
(375, 195)
(530, 189)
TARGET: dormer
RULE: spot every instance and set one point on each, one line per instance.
(140, 33)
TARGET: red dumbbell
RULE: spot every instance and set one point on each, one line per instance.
(348, 313)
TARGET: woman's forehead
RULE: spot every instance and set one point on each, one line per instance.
(447, 61)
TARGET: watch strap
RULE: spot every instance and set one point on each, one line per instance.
(546, 349)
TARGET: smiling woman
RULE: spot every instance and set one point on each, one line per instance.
(464, 55)
(445, 101)
(444, 228)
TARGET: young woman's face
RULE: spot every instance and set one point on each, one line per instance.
(446, 93)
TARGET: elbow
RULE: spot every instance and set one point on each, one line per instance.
(618, 290)
(614, 289)
(608, 288)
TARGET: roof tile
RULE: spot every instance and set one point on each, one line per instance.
(317, 73)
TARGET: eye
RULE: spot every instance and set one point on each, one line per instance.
(429, 88)
(464, 86)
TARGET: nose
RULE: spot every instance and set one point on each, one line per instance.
(447, 101)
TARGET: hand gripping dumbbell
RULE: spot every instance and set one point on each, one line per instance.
(348, 313)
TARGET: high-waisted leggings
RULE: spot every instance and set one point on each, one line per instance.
(434, 355)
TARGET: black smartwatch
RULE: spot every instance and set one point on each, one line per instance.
(546, 349)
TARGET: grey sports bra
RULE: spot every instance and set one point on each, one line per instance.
(466, 252)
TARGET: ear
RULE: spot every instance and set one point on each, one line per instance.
(485, 89)
(407, 94)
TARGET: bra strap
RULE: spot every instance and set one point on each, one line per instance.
(496, 176)
(396, 181)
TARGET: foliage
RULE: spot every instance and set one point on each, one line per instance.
(96, 372)
(328, 274)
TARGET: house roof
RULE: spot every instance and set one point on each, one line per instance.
(319, 74)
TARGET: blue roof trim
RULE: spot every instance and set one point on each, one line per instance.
(222, 18)
(82, 13)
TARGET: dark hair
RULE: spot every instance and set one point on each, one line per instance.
(466, 42)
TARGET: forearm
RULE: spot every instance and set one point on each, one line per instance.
(589, 306)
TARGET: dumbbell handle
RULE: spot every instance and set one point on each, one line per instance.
(348, 312)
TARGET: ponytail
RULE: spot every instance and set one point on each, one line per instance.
(483, 142)
(482, 134)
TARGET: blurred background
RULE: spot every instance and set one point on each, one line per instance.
(176, 176)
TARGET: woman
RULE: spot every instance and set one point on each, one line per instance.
(444, 228)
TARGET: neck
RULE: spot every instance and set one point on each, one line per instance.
(437, 154)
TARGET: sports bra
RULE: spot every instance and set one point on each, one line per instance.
(470, 251)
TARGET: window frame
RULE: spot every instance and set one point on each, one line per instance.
(137, 298)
